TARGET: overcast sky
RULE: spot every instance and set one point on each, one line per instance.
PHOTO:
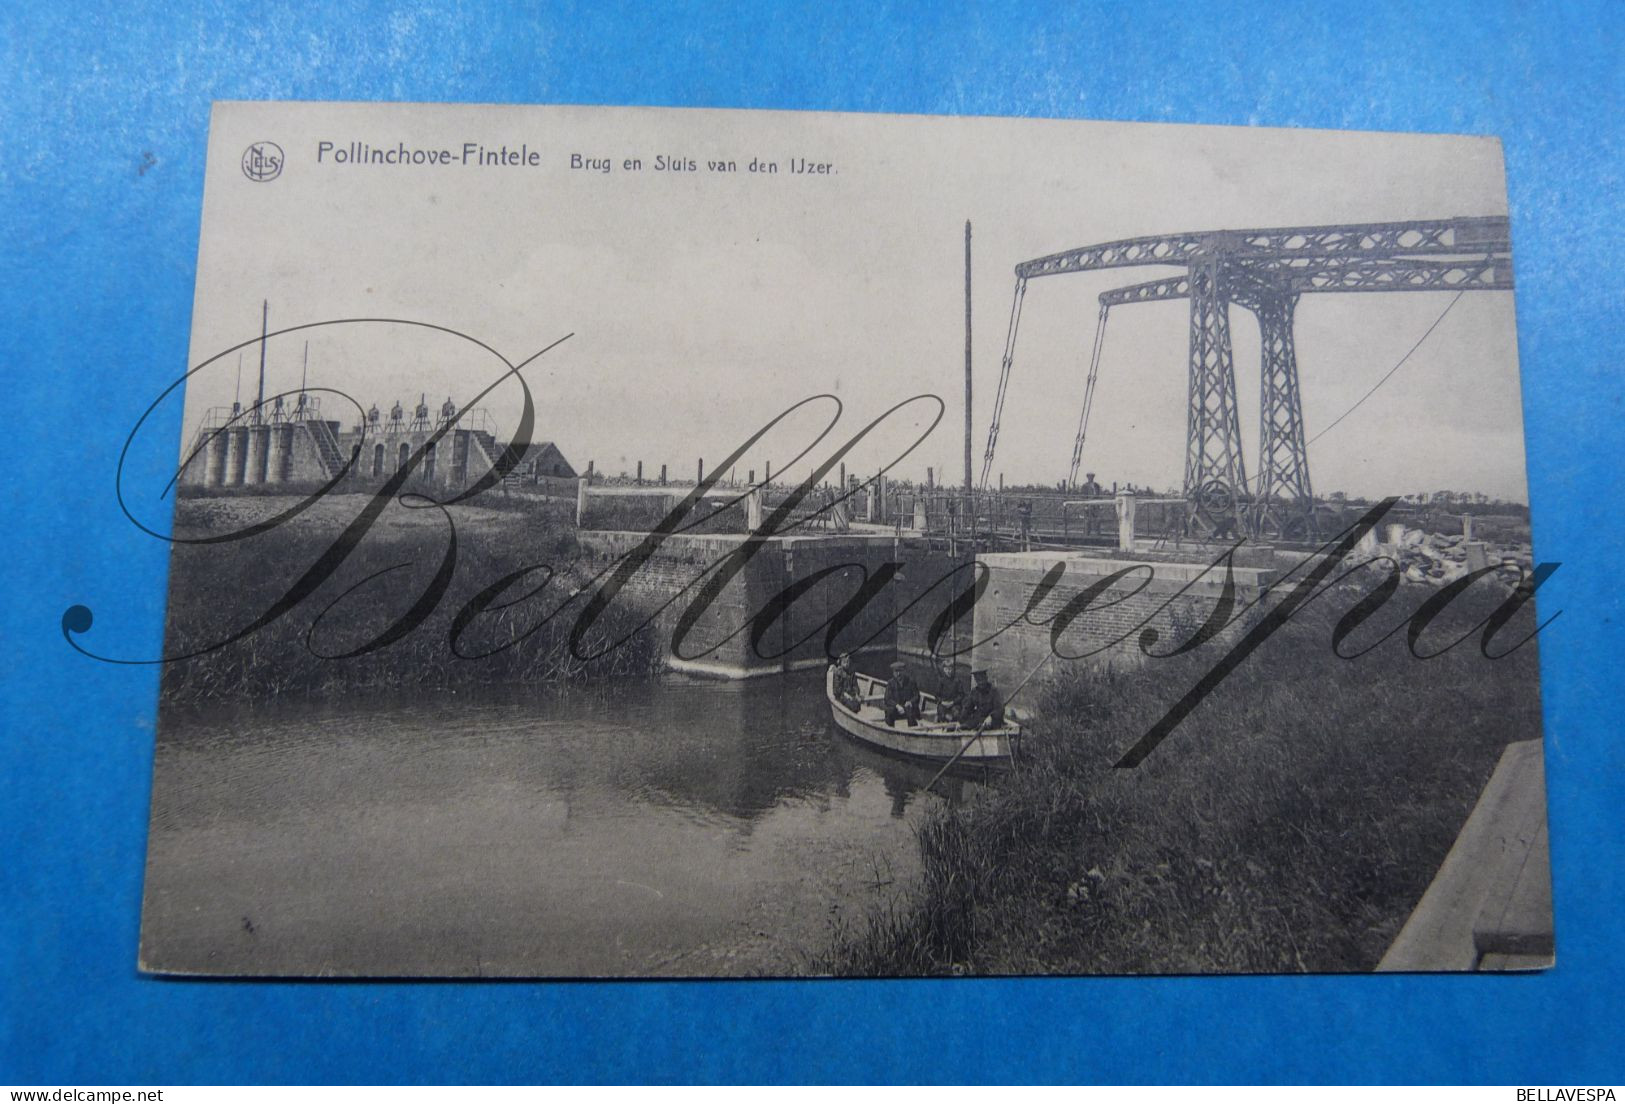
(701, 304)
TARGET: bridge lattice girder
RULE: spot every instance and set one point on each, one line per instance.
(1247, 282)
(1265, 271)
(1425, 238)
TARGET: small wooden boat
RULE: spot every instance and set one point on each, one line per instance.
(932, 740)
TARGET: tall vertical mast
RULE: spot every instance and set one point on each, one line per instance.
(968, 485)
(265, 321)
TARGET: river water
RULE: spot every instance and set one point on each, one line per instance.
(669, 828)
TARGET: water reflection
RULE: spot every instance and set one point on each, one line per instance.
(686, 827)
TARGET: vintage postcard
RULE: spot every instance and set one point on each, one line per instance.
(635, 542)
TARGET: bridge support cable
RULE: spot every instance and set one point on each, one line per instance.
(1004, 379)
(1088, 397)
(1390, 373)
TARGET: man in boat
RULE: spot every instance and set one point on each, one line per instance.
(846, 684)
(983, 706)
(902, 696)
(949, 692)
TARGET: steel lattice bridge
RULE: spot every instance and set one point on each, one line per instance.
(1264, 271)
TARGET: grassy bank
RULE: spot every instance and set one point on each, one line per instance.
(1289, 824)
(216, 590)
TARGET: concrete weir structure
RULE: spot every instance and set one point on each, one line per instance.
(895, 590)
(234, 449)
(774, 612)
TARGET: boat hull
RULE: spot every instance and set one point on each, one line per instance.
(930, 741)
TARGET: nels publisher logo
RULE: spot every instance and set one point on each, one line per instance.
(262, 161)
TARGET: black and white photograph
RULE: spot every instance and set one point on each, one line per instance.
(633, 542)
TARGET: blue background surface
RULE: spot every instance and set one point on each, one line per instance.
(96, 275)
